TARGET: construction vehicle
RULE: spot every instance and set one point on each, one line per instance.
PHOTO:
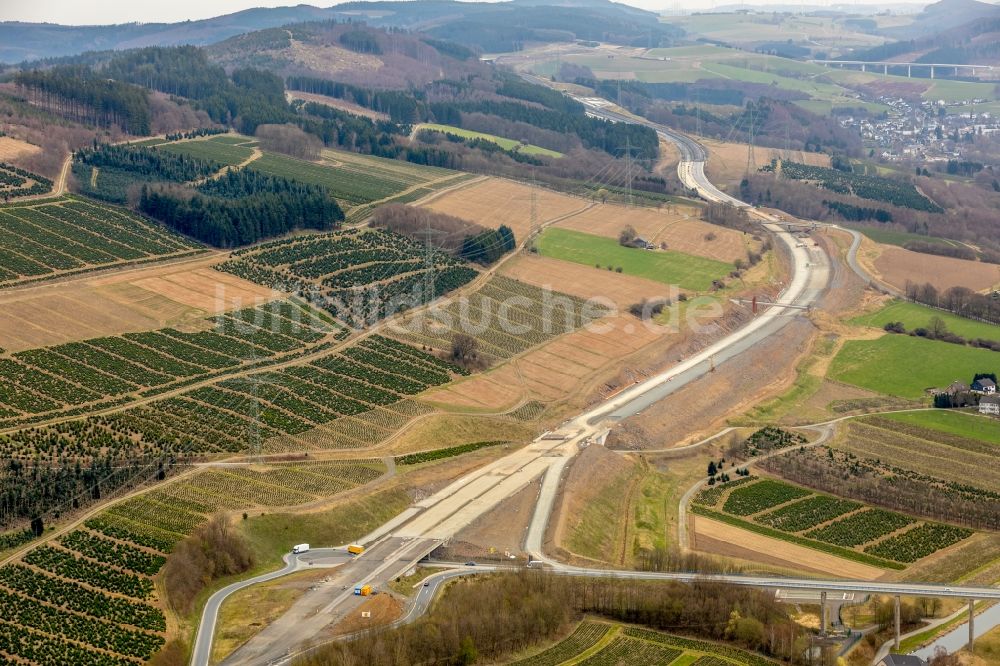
(363, 590)
(355, 549)
(301, 548)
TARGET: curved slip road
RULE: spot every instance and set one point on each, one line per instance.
(320, 557)
(443, 514)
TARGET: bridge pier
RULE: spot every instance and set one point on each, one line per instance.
(932, 71)
(864, 67)
(972, 626)
(895, 643)
(885, 70)
(824, 619)
(909, 72)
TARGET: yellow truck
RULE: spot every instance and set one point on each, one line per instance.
(355, 549)
(363, 590)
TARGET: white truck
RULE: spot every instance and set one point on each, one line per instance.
(301, 548)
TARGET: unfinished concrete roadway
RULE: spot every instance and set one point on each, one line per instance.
(440, 516)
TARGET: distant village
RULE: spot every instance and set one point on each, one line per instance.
(931, 131)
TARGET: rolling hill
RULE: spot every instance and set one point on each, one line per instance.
(501, 26)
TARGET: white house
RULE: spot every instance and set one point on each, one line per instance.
(984, 385)
(990, 404)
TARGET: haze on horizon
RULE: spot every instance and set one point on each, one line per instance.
(105, 12)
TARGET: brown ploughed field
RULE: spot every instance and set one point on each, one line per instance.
(896, 266)
(493, 202)
(127, 301)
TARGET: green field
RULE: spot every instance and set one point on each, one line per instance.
(901, 238)
(207, 149)
(354, 179)
(827, 87)
(907, 366)
(914, 315)
(953, 423)
(666, 266)
(505, 143)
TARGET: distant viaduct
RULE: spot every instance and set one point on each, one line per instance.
(865, 64)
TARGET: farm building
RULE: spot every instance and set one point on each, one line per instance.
(956, 387)
(990, 405)
(984, 385)
(641, 243)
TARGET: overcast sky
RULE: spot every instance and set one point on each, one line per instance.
(101, 12)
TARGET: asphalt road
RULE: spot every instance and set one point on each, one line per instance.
(320, 557)
(446, 512)
(461, 502)
(330, 602)
(852, 261)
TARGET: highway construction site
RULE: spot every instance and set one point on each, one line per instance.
(396, 548)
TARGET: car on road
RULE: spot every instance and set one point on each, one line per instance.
(427, 583)
(470, 564)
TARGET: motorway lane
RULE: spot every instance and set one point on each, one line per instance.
(320, 557)
(444, 513)
(332, 601)
(447, 511)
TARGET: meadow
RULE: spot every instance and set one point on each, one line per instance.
(914, 315)
(221, 149)
(887, 365)
(503, 142)
(352, 178)
(900, 238)
(953, 423)
(666, 266)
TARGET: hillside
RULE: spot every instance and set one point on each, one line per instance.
(943, 15)
(952, 31)
(347, 53)
(489, 26)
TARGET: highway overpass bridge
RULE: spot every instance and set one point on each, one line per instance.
(884, 65)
